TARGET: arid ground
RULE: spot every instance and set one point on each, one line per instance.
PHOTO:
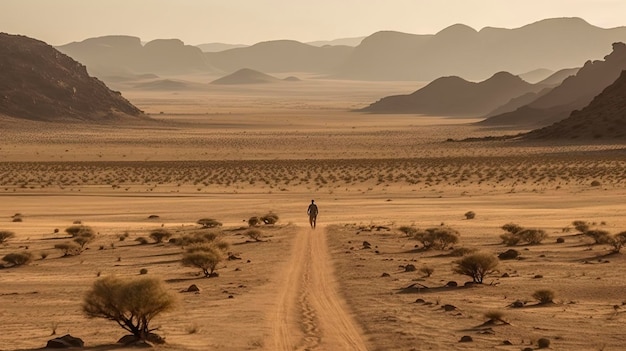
(232, 152)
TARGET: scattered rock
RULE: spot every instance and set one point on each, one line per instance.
(410, 268)
(507, 342)
(469, 284)
(193, 288)
(367, 245)
(451, 284)
(543, 343)
(560, 240)
(64, 342)
(232, 257)
(509, 254)
(385, 275)
(448, 307)
(517, 304)
(538, 276)
(466, 338)
(505, 275)
(153, 216)
(420, 301)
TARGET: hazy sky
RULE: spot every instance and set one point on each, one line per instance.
(250, 21)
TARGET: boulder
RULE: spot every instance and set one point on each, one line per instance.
(64, 342)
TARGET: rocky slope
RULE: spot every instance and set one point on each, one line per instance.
(38, 82)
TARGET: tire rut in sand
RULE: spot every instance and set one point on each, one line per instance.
(310, 315)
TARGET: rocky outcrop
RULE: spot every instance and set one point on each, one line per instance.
(38, 82)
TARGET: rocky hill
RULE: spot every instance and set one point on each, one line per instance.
(603, 118)
(573, 93)
(475, 55)
(38, 82)
(455, 96)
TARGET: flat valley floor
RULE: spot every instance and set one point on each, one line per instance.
(234, 152)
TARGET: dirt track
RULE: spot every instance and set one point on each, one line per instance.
(310, 314)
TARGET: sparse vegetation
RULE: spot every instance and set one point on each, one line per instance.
(254, 221)
(477, 266)
(5, 235)
(270, 218)
(69, 249)
(470, 215)
(205, 257)
(79, 230)
(160, 234)
(427, 271)
(438, 238)
(132, 304)
(209, 223)
(599, 236)
(618, 241)
(544, 296)
(142, 240)
(254, 234)
(495, 316)
(18, 258)
(516, 234)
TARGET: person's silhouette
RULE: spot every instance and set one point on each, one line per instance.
(312, 211)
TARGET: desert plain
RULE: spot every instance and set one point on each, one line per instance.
(232, 152)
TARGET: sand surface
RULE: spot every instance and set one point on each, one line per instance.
(234, 152)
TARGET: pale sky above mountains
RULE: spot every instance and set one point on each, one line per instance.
(250, 21)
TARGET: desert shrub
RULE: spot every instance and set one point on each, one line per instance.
(532, 236)
(581, 226)
(618, 241)
(408, 231)
(160, 234)
(68, 249)
(596, 183)
(254, 221)
(196, 238)
(142, 240)
(509, 254)
(477, 266)
(79, 230)
(461, 251)
(510, 239)
(543, 343)
(5, 235)
(427, 271)
(18, 258)
(143, 271)
(204, 257)
(254, 234)
(209, 223)
(270, 218)
(438, 238)
(599, 236)
(511, 228)
(84, 237)
(544, 296)
(470, 215)
(123, 236)
(132, 304)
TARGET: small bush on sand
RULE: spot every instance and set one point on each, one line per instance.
(477, 266)
(18, 258)
(68, 249)
(79, 230)
(581, 226)
(427, 271)
(408, 231)
(160, 234)
(204, 257)
(532, 236)
(84, 237)
(142, 240)
(196, 238)
(438, 238)
(254, 234)
(599, 236)
(132, 304)
(123, 236)
(143, 271)
(618, 241)
(516, 234)
(5, 235)
(510, 239)
(544, 296)
(543, 343)
(470, 215)
(254, 221)
(209, 223)
(511, 228)
(461, 251)
(270, 218)
(495, 316)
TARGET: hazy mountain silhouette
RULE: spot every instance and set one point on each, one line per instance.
(168, 85)
(462, 51)
(217, 47)
(125, 55)
(536, 75)
(40, 83)
(456, 96)
(574, 93)
(246, 76)
(342, 41)
(281, 56)
(603, 118)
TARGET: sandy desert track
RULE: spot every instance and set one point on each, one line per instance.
(310, 313)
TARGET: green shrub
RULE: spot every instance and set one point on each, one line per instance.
(5, 235)
(477, 266)
(132, 304)
(18, 258)
(160, 234)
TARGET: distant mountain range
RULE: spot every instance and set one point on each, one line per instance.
(38, 82)
(249, 76)
(452, 96)
(603, 118)
(458, 50)
(574, 93)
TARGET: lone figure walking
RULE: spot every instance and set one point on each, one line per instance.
(312, 212)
